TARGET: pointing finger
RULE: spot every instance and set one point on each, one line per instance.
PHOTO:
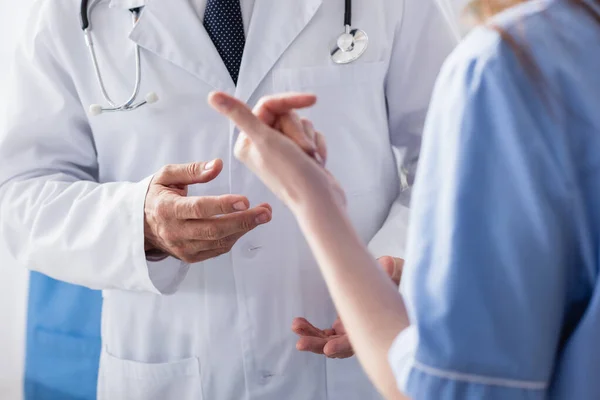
(240, 115)
(270, 108)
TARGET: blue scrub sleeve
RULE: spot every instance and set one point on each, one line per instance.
(490, 236)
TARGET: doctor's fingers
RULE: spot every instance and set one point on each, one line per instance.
(202, 250)
(269, 108)
(208, 206)
(301, 327)
(332, 347)
(197, 257)
(311, 344)
(339, 347)
(188, 174)
(217, 228)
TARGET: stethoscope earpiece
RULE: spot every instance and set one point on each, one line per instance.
(151, 98)
(95, 110)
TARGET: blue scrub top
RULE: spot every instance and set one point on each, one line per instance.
(503, 257)
(63, 341)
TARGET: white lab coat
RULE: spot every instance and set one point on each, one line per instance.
(72, 187)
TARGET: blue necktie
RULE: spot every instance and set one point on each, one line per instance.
(225, 26)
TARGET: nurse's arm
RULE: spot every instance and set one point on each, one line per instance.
(366, 297)
(424, 38)
(367, 300)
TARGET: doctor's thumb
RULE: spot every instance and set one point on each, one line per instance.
(188, 174)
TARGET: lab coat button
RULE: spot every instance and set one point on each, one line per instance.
(265, 377)
(252, 251)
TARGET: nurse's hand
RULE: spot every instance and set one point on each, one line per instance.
(281, 149)
(334, 342)
(195, 229)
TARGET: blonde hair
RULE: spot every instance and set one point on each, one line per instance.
(482, 10)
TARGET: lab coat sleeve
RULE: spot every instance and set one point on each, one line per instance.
(491, 238)
(55, 217)
(423, 40)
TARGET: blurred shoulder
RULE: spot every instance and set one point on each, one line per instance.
(54, 7)
(54, 15)
(533, 33)
(502, 43)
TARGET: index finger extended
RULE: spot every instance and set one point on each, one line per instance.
(269, 108)
(240, 115)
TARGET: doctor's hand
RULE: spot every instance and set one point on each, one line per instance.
(195, 229)
(334, 342)
(280, 148)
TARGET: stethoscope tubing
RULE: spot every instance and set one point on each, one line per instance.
(128, 105)
(87, 7)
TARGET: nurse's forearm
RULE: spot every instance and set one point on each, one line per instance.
(368, 302)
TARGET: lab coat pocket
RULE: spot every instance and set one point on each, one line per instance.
(130, 380)
(350, 76)
(352, 114)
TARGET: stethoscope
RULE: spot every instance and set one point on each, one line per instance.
(349, 47)
(130, 104)
(351, 44)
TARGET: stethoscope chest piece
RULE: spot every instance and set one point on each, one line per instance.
(350, 46)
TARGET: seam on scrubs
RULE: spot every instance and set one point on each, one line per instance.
(481, 380)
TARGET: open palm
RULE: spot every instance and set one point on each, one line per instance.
(334, 342)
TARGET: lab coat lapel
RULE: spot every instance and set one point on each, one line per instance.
(274, 26)
(172, 30)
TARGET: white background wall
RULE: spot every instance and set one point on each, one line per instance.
(13, 280)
